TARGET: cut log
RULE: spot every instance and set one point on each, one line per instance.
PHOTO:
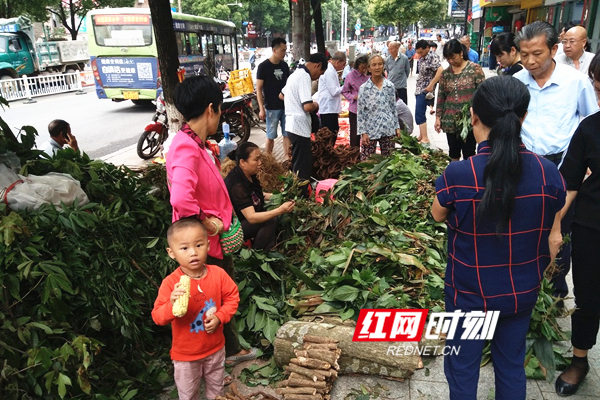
(283, 383)
(301, 353)
(303, 397)
(328, 356)
(393, 359)
(310, 373)
(296, 390)
(319, 339)
(294, 375)
(323, 346)
(306, 383)
(311, 363)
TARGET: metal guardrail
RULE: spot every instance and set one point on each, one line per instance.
(29, 87)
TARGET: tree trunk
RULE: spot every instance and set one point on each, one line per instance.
(400, 31)
(166, 45)
(73, 29)
(319, 31)
(306, 25)
(369, 358)
(298, 50)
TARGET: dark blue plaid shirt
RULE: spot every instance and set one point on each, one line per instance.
(485, 272)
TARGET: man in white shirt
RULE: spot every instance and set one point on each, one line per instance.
(298, 104)
(440, 47)
(60, 135)
(574, 54)
(329, 95)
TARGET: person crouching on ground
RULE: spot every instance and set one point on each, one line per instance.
(197, 352)
(499, 206)
(376, 111)
(248, 198)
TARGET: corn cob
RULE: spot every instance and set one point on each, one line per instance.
(181, 304)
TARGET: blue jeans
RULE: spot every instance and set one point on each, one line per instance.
(274, 117)
(420, 109)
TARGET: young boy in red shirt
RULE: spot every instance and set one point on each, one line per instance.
(198, 348)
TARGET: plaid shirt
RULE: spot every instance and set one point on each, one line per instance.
(485, 272)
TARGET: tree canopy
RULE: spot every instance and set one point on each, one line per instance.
(406, 12)
(69, 12)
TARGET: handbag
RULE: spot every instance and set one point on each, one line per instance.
(232, 240)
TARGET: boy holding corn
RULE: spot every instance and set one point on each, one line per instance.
(196, 299)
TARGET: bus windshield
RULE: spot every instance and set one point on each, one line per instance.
(122, 30)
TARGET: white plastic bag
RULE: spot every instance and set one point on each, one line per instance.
(53, 188)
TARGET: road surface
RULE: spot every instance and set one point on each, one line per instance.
(100, 125)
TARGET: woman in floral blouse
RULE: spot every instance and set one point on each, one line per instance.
(377, 115)
(457, 86)
(353, 82)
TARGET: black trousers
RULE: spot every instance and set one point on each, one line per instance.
(354, 138)
(302, 158)
(563, 258)
(330, 121)
(230, 331)
(263, 235)
(457, 145)
(402, 94)
(585, 321)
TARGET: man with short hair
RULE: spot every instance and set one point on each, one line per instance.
(60, 135)
(574, 53)
(439, 50)
(410, 54)
(271, 77)
(473, 55)
(397, 68)
(430, 72)
(299, 104)
(560, 97)
(329, 95)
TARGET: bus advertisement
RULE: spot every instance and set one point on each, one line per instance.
(124, 57)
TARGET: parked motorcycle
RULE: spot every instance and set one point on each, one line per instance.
(236, 111)
(156, 133)
(239, 114)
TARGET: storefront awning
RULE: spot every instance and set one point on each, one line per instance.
(499, 3)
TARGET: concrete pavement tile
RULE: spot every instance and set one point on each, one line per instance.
(554, 396)
(486, 389)
(433, 370)
(589, 387)
(380, 388)
(420, 390)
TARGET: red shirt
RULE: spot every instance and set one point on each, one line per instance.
(215, 293)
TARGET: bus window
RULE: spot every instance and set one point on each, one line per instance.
(195, 45)
(122, 30)
(180, 38)
(227, 45)
(218, 44)
(207, 44)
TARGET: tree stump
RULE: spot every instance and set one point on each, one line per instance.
(370, 358)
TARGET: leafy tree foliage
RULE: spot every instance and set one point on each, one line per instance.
(272, 15)
(69, 12)
(405, 12)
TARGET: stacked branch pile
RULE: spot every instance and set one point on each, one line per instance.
(312, 372)
(328, 160)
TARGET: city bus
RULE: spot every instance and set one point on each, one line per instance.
(123, 55)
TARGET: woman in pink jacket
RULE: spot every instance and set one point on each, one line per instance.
(196, 186)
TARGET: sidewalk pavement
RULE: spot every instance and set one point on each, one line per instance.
(428, 383)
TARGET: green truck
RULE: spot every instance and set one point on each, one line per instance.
(21, 54)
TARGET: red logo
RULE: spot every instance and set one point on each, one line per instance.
(382, 325)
